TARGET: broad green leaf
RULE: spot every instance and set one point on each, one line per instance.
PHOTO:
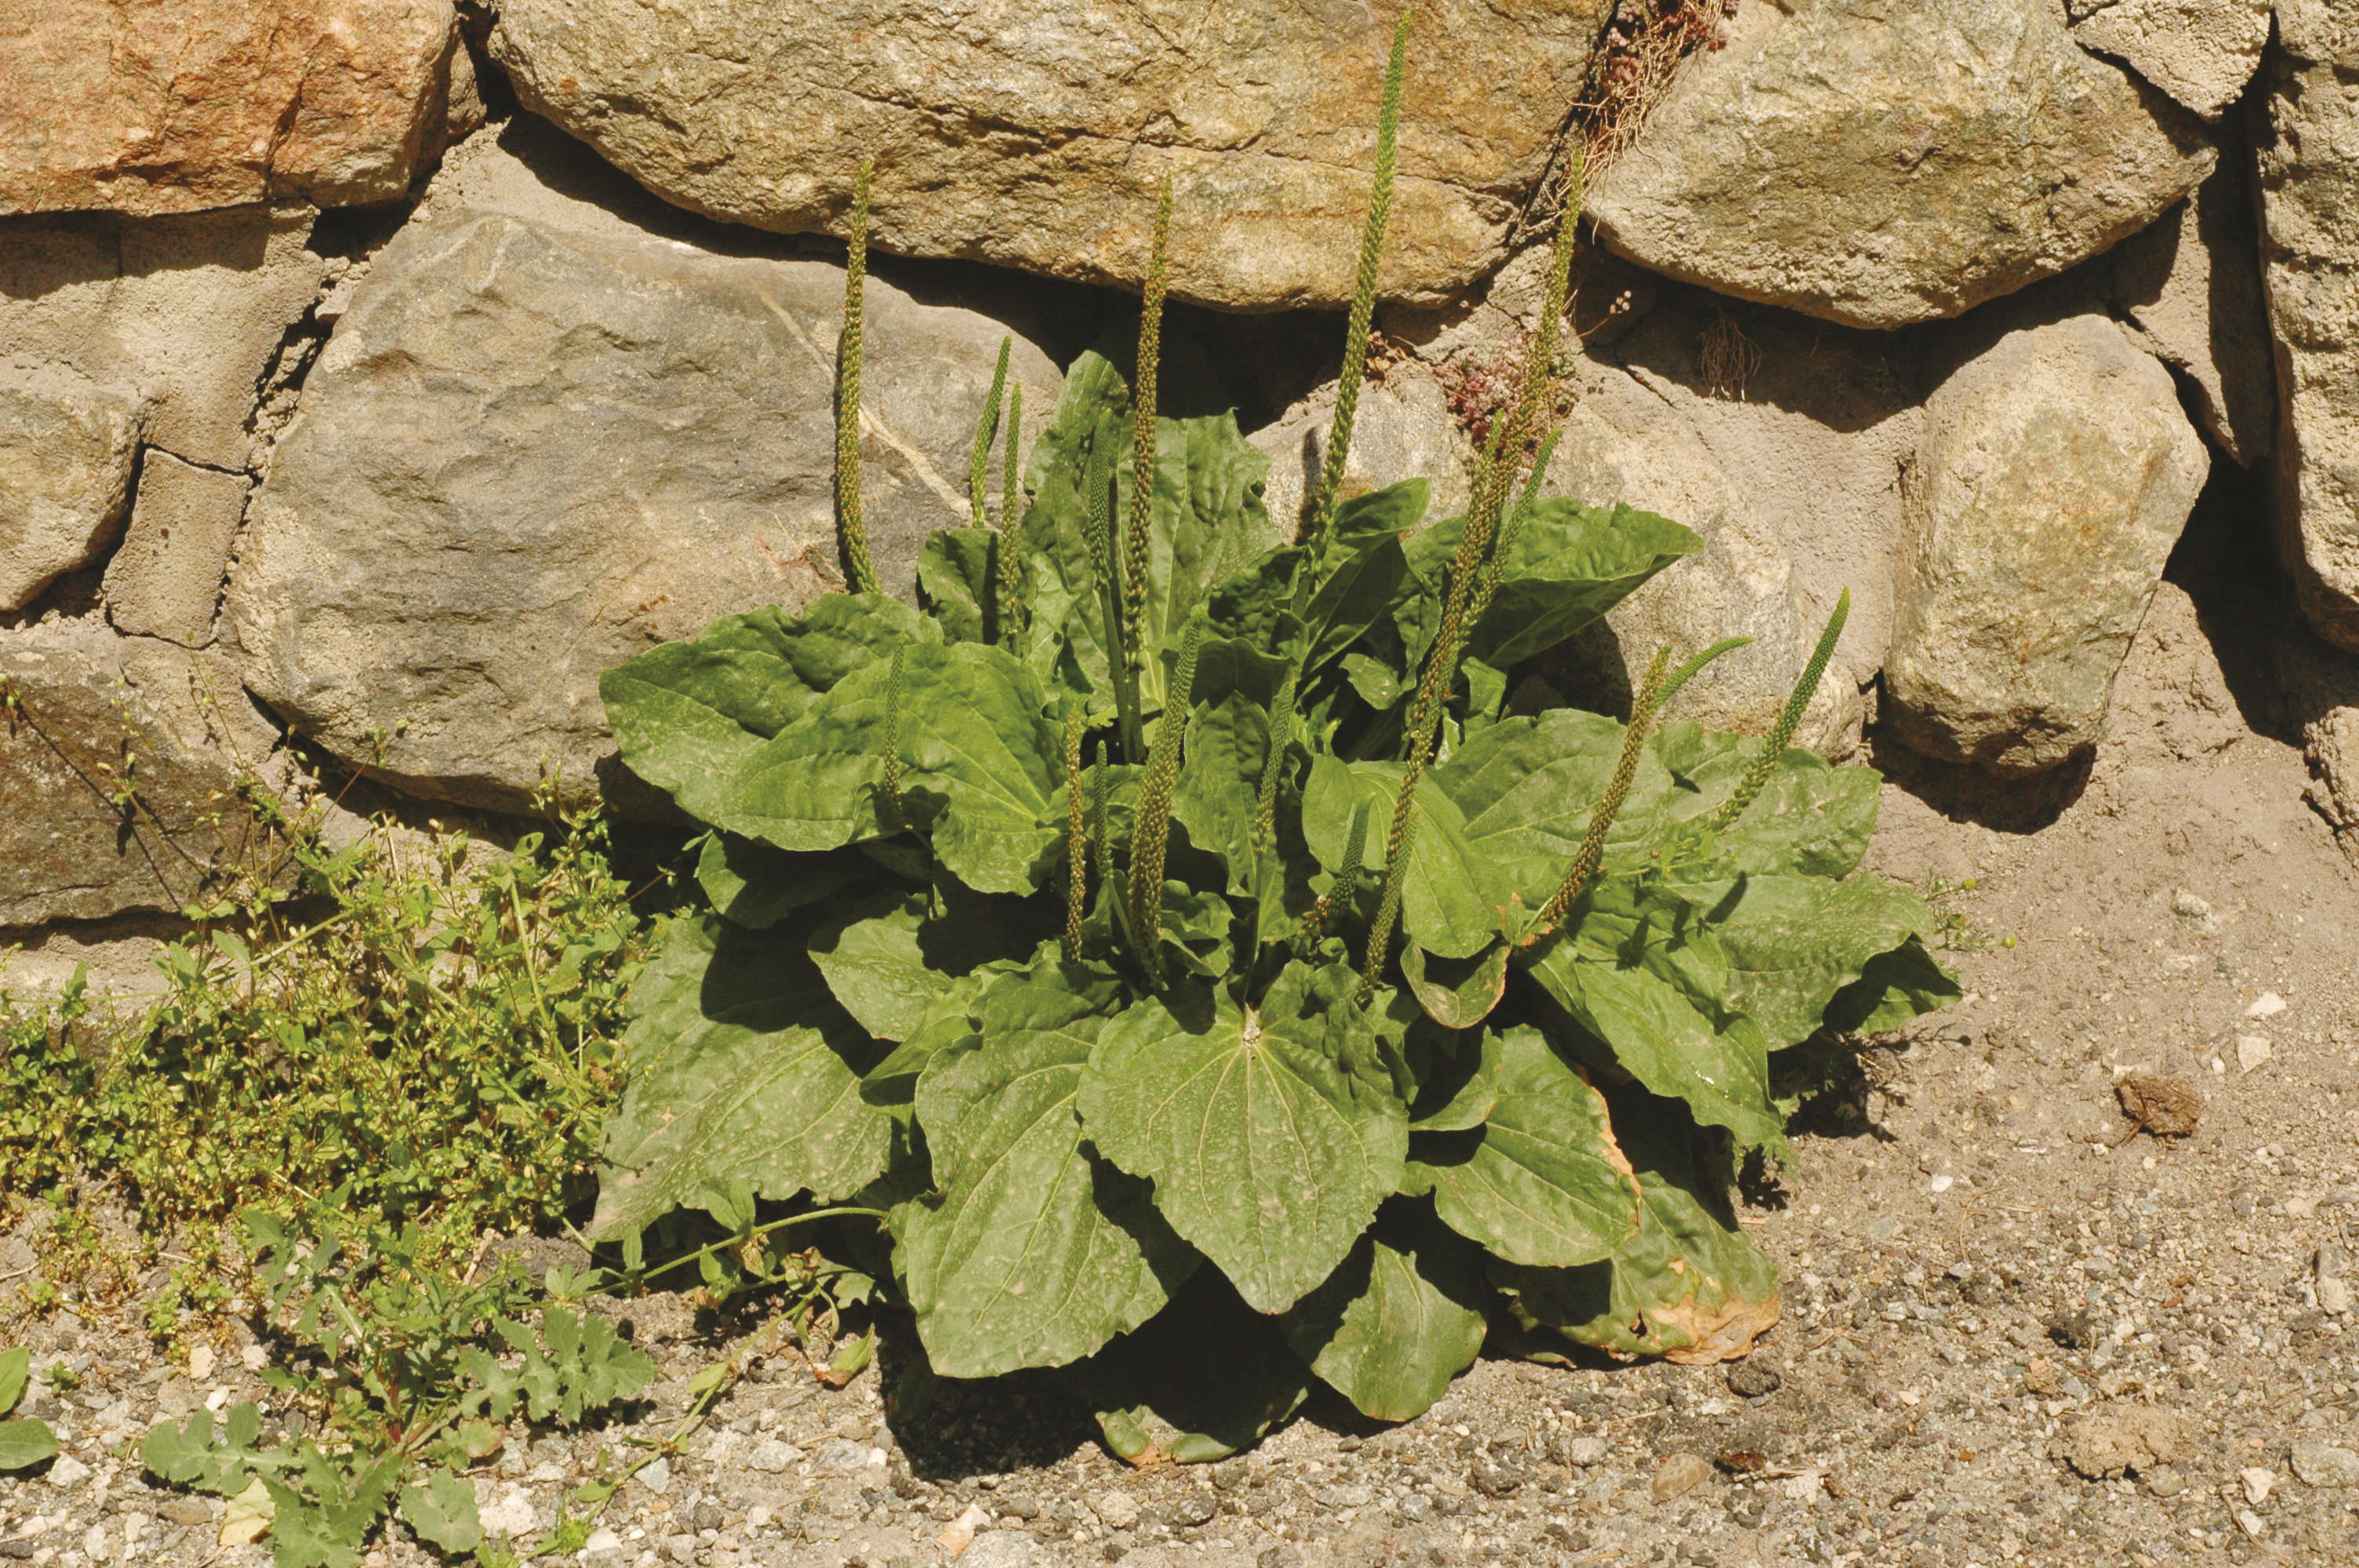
(687, 715)
(441, 1510)
(1032, 1252)
(25, 1444)
(1810, 820)
(1569, 565)
(979, 762)
(1462, 1091)
(1457, 993)
(1525, 789)
(1207, 520)
(1895, 987)
(1794, 942)
(1688, 1287)
(1203, 1380)
(1719, 1065)
(757, 886)
(954, 579)
(223, 1461)
(1404, 1315)
(1270, 1134)
(1453, 899)
(839, 635)
(1219, 782)
(15, 1370)
(886, 957)
(744, 1070)
(1544, 1181)
(328, 1528)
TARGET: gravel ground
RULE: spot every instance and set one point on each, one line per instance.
(2014, 1331)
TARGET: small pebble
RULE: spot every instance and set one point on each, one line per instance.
(68, 1471)
(2258, 1484)
(1679, 1475)
(2268, 1004)
(1118, 1510)
(772, 1457)
(2252, 1050)
(2325, 1464)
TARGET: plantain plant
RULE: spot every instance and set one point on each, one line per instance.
(1221, 957)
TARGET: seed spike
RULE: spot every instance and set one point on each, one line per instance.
(1150, 835)
(1347, 881)
(1617, 793)
(1142, 477)
(1101, 839)
(1790, 719)
(894, 688)
(1077, 840)
(978, 469)
(1363, 296)
(1273, 767)
(850, 529)
(1011, 522)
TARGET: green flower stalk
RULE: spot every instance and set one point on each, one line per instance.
(978, 468)
(850, 529)
(1120, 671)
(1101, 840)
(894, 689)
(1790, 719)
(1142, 475)
(1009, 584)
(1617, 793)
(1273, 767)
(1150, 836)
(1077, 840)
(1363, 299)
(1347, 879)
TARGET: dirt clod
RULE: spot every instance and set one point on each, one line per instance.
(2117, 1439)
(2161, 1107)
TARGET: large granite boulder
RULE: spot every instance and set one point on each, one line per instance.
(544, 437)
(1403, 429)
(2201, 52)
(1034, 134)
(145, 106)
(1780, 441)
(2054, 475)
(1879, 165)
(66, 447)
(120, 762)
(2309, 163)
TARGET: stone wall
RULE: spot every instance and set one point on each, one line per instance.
(335, 408)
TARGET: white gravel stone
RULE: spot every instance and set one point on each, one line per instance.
(511, 1514)
(772, 1457)
(2258, 1484)
(1119, 1510)
(68, 1471)
(2252, 1050)
(2325, 1464)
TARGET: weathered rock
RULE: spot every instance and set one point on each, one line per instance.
(2191, 285)
(166, 578)
(119, 760)
(1780, 442)
(2055, 473)
(1402, 429)
(190, 309)
(2201, 52)
(1879, 165)
(67, 446)
(143, 107)
(543, 437)
(1036, 136)
(2310, 254)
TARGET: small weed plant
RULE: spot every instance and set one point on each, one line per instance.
(430, 1031)
(1208, 948)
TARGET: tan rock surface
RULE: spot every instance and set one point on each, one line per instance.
(2309, 163)
(66, 447)
(86, 701)
(165, 579)
(2201, 52)
(543, 437)
(148, 106)
(2055, 473)
(1877, 166)
(1034, 134)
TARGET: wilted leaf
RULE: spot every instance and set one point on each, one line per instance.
(1543, 1180)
